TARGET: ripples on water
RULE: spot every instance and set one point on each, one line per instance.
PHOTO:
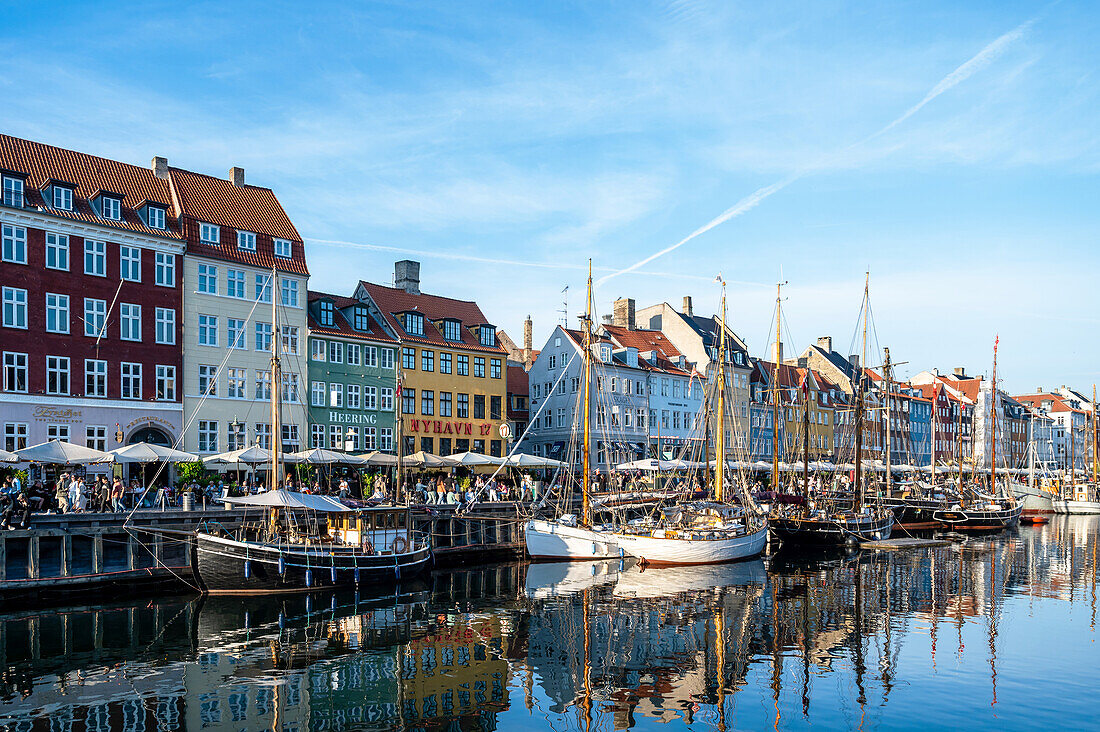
(997, 633)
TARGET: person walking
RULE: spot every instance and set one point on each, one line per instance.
(118, 490)
(78, 497)
(61, 495)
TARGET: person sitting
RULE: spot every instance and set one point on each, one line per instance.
(452, 497)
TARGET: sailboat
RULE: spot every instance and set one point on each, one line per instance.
(984, 512)
(828, 523)
(307, 541)
(1080, 498)
(568, 537)
(702, 532)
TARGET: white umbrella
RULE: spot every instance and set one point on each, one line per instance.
(379, 458)
(145, 452)
(251, 455)
(320, 456)
(522, 460)
(56, 452)
(474, 458)
(8, 457)
(426, 460)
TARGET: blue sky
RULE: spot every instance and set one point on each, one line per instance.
(502, 144)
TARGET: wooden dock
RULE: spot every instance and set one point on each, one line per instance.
(894, 545)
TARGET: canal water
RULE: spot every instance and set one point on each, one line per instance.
(992, 633)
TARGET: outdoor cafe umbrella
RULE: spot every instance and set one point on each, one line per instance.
(146, 452)
(426, 460)
(56, 452)
(380, 459)
(522, 460)
(251, 455)
(321, 456)
(473, 458)
(8, 457)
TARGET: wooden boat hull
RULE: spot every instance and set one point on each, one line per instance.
(227, 566)
(914, 514)
(692, 549)
(980, 520)
(1076, 508)
(555, 540)
(833, 531)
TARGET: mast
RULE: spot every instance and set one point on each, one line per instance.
(399, 421)
(720, 438)
(775, 392)
(806, 439)
(889, 422)
(993, 409)
(586, 511)
(935, 416)
(1094, 435)
(858, 487)
(276, 381)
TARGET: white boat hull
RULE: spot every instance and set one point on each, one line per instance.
(1036, 504)
(555, 540)
(1063, 506)
(693, 551)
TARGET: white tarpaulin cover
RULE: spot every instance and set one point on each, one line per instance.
(288, 499)
(55, 452)
(145, 452)
(321, 456)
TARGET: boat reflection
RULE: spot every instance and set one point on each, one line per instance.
(605, 645)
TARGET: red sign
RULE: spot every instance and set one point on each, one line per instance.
(446, 427)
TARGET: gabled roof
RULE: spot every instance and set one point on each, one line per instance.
(1058, 402)
(341, 326)
(643, 340)
(90, 174)
(391, 300)
(517, 379)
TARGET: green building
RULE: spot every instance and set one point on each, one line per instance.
(352, 376)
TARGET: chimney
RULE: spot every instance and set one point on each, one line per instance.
(160, 167)
(236, 177)
(687, 305)
(803, 362)
(624, 313)
(1038, 390)
(960, 372)
(854, 360)
(406, 276)
(777, 352)
(825, 343)
(609, 320)
(527, 343)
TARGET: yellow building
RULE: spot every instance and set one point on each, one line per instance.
(451, 367)
(797, 385)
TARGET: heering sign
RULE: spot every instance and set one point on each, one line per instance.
(447, 427)
(352, 418)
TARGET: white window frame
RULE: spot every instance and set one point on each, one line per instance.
(165, 327)
(166, 382)
(289, 339)
(208, 330)
(57, 309)
(263, 335)
(318, 349)
(262, 284)
(14, 192)
(59, 366)
(62, 198)
(236, 380)
(283, 248)
(317, 393)
(95, 257)
(14, 243)
(129, 322)
(207, 279)
(210, 233)
(95, 316)
(289, 293)
(235, 333)
(95, 377)
(130, 381)
(335, 352)
(57, 245)
(336, 395)
(208, 436)
(234, 283)
(354, 396)
(156, 217)
(246, 240)
(208, 380)
(15, 436)
(15, 366)
(262, 384)
(110, 208)
(15, 304)
(370, 356)
(353, 354)
(129, 263)
(165, 269)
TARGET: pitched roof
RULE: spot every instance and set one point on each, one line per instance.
(643, 340)
(517, 379)
(1058, 401)
(392, 300)
(91, 175)
(341, 326)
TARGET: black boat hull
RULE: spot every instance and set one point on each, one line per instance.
(226, 566)
(980, 520)
(915, 514)
(833, 531)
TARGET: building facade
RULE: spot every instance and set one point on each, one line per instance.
(450, 367)
(352, 376)
(244, 265)
(92, 292)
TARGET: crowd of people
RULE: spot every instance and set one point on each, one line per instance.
(68, 493)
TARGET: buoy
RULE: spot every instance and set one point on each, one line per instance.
(356, 575)
(282, 621)
(333, 573)
(332, 605)
(247, 620)
(309, 580)
(397, 571)
(282, 563)
(309, 600)
(247, 568)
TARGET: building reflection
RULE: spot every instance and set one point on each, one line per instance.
(582, 646)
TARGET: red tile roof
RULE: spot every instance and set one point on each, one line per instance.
(643, 340)
(517, 380)
(1059, 402)
(91, 175)
(341, 326)
(203, 198)
(391, 300)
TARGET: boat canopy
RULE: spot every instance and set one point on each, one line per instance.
(289, 499)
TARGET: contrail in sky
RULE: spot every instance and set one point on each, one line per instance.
(980, 61)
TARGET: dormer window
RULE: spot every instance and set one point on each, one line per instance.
(452, 330)
(414, 324)
(283, 248)
(246, 240)
(62, 198)
(605, 353)
(327, 313)
(110, 208)
(488, 336)
(13, 192)
(156, 217)
(362, 321)
(209, 234)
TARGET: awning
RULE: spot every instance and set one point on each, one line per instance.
(288, 499)
(56, 452)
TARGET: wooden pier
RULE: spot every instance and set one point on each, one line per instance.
(93, 552)
(893, 545)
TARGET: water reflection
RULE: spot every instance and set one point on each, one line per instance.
(996, 631)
